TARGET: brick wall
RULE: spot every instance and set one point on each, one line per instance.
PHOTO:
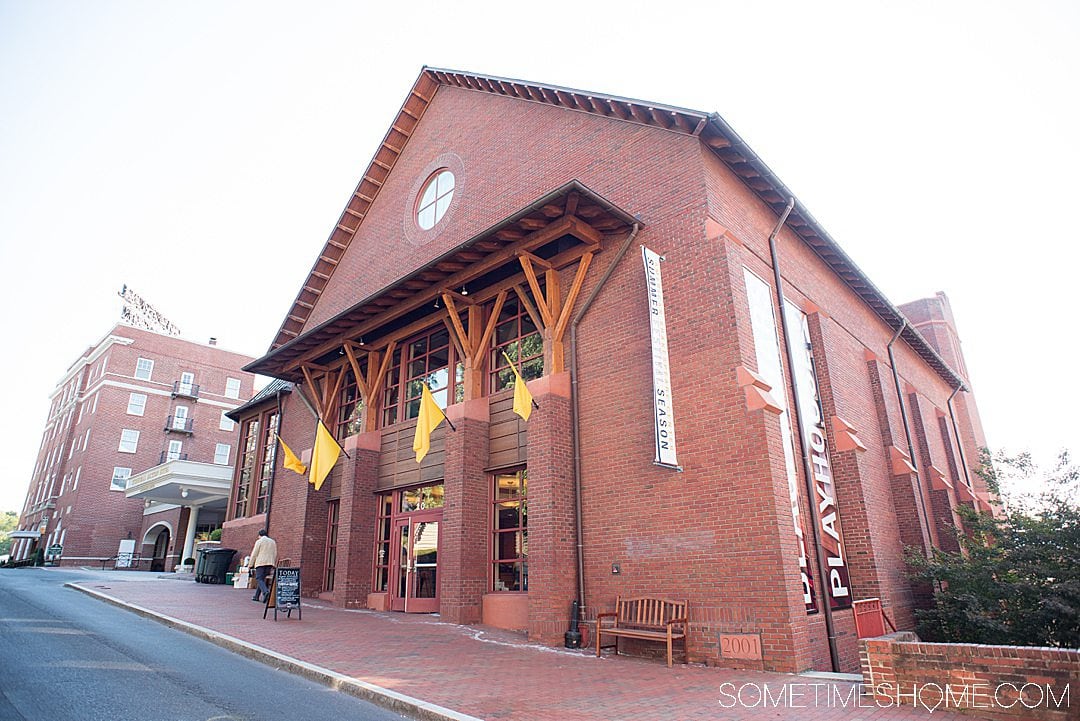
(994, 682)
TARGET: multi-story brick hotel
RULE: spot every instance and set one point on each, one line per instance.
(136, 455)
(654, 283)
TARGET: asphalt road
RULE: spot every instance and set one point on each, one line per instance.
(67, 657)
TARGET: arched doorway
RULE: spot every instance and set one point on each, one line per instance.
(161, 548)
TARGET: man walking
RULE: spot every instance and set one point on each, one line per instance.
(263, 558)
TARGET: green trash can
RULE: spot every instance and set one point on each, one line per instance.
(217, 564)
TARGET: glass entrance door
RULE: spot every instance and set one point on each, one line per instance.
(415, 587)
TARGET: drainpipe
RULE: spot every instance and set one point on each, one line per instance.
(956, 432)
(575, 414)
(808, 470)
(907, 429)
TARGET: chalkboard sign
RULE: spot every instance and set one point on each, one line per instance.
(284, 592)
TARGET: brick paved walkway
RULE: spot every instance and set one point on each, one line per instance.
(488, 673)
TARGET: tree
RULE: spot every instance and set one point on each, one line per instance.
(1016, 580)
(9, 521)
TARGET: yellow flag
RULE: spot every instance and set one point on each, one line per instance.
(522, 398)
(323, 457)
(429, 419)
(291, 461)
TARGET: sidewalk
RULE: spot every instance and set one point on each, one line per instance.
(399, 659)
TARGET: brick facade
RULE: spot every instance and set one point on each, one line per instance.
(992, 682)
(718, 531)
(71, 493)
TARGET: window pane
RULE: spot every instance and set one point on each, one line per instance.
(429, 195)
(508, 577)
(445, 182)
(508, 515)
(507, 486)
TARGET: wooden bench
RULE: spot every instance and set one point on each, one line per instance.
(648, 619)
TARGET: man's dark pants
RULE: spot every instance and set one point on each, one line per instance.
(263, 589)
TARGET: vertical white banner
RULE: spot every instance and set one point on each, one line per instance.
(759, 296)
(663, 409)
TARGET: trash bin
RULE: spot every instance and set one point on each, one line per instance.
(217, 564)
(200, 565)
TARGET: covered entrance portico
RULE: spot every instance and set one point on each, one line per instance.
(203, 488)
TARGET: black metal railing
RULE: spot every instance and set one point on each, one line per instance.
(185, 390)
(166, 457)
(176, 424)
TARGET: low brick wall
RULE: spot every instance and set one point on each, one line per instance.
(993, 682)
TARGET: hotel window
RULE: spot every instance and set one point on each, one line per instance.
(266, 467)
(174, 453)
(232, 388)
(136, 404)
(120, 478)
(350, 406)
(144, 368)
(180, 418)
(517, 337)
(435, 199)
(226, 423)
(129, 441)
(221, 454)
(249, 451)
(510, 542)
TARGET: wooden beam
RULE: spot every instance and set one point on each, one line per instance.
(556, 229)
(538, 295)
(314, 388)
(361, 381)
(454, 336)
(571, 203)
(455, 321)
(529, 308)
(375, 384)
(536, 260)
(571, 297)
(553, 290)
(489, 328)
(334, 399)
(460, 298)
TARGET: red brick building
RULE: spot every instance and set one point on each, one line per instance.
(501, 216)
(133, 401)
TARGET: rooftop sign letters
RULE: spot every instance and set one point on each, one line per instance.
(140, 314)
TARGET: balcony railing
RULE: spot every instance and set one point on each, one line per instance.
(184, 390)
(166, 457)
(178, 424)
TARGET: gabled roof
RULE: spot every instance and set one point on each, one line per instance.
(272, 388)
(713, 131)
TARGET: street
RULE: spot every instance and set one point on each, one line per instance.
(67, 657)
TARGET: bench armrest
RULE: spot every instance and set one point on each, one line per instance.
(674, 621)
(602, 616)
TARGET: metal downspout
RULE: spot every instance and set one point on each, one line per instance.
(956, 432)
(808, 470)
(907, 430)
(576, 427)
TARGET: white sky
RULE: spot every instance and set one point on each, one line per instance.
(202, 151)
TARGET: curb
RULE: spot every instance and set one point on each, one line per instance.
(377, 695)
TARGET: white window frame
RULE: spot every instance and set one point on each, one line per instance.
(120, 477)
(78, 472)
(232, 387)
(86, 440)
(226, 423)
(187, 382)
(222, 449)
(140, 407)
(149, 371)
(94, 409)
(129, 441)
(180, 417)
(176, 448)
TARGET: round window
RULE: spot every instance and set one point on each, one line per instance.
(435, 199)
